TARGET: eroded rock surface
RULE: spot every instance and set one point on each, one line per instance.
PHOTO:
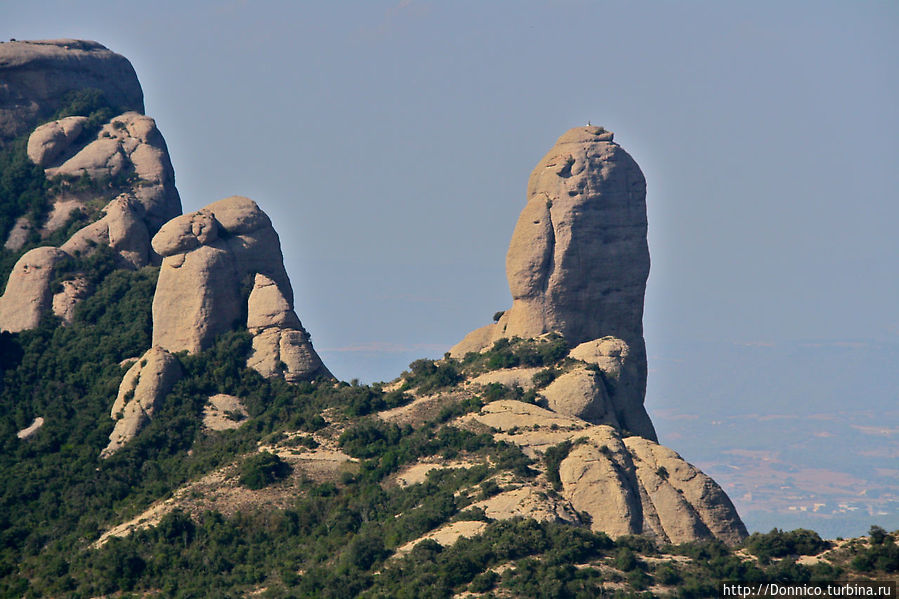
(128, 155)
(207, 256)
(624, 381)
(50, 139)
(37, 75)
(66, 300)
(128, 145)
(122, 227)
(31, 429)
(627, 484)
(578, 261)
(28, 295)
(581, 393)
(145, 384)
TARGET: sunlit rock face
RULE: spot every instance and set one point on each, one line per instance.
(208, 257)
(36, 77)
(578, 260)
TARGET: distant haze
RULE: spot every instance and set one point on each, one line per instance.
(391, 145)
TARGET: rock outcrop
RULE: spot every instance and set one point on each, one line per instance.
(37, 76)
(49, 140)
(127, 153)
(581, 393)
(71, 294)
(627, 484)
(224, 412)
(145, 384)
(28, 295)
(131, 145)
(122, 228)
(208, 256)
(578, 260)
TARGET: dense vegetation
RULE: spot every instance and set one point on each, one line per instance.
(509, 353)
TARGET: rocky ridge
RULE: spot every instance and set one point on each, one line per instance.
(130, 148)
(37, 76)
(577, 267)
(205, 257)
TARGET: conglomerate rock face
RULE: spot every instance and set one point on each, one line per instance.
(578, 261)
(627, 484)
(36, 76)
(145, 384)
(35, 81)
(208, 256)
(28, 294)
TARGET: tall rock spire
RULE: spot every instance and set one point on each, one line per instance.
(578, 260)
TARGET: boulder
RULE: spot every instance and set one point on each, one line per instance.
(286, 353)
(31, 429)
(581, 393)
(281, 346)
(145, 384)
(49, 140)
(623, 380)
(28, 295)
(122, 228)
(186, 232)
(38, 75)
(267, 307)
(627, 484)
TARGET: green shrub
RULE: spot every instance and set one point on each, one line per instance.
(667, 574)
(489, 488)
(552, 459)
(484, 582)
(544, 377)
(625, 560)
(882, 555)
(778, 543)
(429, 376)
(262, 469)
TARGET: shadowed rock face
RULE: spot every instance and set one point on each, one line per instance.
(578, 261)
(35, 77)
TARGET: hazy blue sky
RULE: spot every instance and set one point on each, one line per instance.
(391, 145)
